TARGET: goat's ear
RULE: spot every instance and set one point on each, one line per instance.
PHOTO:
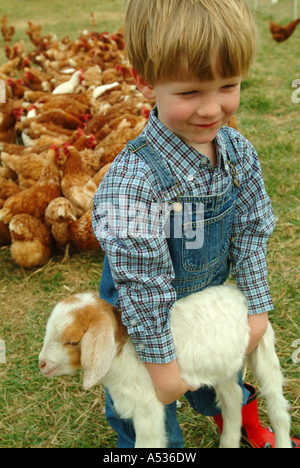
(97, 351)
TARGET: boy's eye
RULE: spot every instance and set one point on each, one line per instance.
(188, 93)
(230, 86)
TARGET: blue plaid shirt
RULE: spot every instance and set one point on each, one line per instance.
(142, 268)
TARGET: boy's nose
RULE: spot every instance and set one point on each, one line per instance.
(209, 108)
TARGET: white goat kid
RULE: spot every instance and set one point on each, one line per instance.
(211, 335)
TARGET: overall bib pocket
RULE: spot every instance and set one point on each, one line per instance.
(210, 244)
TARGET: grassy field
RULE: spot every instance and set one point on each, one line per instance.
(38, 413)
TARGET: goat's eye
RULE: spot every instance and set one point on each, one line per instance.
(72, 343)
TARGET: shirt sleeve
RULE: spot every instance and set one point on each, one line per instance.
(254, 223)
(127, 224)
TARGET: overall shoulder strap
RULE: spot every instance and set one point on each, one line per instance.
(232, 156)
(229, 146)
(144, 150)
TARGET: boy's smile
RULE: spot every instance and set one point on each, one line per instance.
(195, 110)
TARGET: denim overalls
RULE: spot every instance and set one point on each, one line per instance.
(198, 263)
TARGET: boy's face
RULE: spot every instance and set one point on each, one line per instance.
(195, 110)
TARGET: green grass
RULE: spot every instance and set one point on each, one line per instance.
(35, 412)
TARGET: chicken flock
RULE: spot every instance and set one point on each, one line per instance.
(70, 108)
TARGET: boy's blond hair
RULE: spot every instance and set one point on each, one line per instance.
(177, 39)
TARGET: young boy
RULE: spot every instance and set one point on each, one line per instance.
(190, 56)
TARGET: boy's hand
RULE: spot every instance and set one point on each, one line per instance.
(258, 325)
(167, 381)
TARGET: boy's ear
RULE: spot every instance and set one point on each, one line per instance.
(145, 88)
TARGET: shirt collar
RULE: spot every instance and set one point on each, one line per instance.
(175, 151)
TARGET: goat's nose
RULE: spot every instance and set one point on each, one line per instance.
(42, 364)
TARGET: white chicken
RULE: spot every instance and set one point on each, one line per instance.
(103, 88)
(68, 87)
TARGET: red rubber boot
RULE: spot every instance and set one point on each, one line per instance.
(253, 434)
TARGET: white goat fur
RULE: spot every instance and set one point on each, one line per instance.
(211, 335)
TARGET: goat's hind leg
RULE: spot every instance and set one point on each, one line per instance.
(266, 368)
(230, 400)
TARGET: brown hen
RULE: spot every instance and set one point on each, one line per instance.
(31, 241)
(35, 200)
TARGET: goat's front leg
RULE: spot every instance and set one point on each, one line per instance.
(230, 399)
(149, 424)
